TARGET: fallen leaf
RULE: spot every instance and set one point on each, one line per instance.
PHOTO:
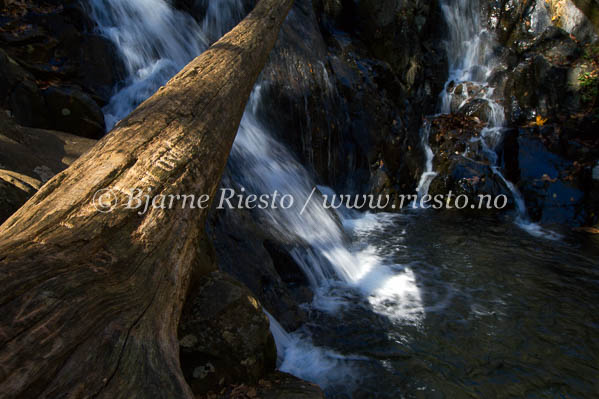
(540, 120)
(590, 230)
(546, 178)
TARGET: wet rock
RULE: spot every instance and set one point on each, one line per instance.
(477, 108)
(462, 93)
(30, 157)
(290, 271)
(573, 17)
(224, 335)
(516, 23)
(300, 82)
(347, 103)
(461, 166)
(472, 179)
(71, 110)
(398, 32)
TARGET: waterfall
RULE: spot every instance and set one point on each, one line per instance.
(471, 62)
(429, 173)
(156, 41)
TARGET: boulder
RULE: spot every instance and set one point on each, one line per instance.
(20, 94)
(224, 336)
(478, 108)
(71, 110)
(557, 187)
(463, 176)
(30, 157)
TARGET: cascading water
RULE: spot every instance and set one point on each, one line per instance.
(262, 165)
(438, 287)
(339, 274)
(156, 41)
(429, 173)
(471, 63)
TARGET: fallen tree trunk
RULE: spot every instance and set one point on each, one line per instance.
(90, 301)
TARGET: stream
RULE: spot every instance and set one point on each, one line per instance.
(418, 304)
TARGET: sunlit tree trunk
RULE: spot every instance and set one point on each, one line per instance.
(89, 301)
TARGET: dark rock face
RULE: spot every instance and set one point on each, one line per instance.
(518, 22)
(542, 81)
(347, 89)
(49, 58)
(224, 336)
(546, 59)
(71, 110)
(350, 111)
(20, 94)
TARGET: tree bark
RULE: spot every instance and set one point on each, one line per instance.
(90, 302)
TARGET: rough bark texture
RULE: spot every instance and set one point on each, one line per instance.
(90, 301)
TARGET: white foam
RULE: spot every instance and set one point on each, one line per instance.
(298, 356)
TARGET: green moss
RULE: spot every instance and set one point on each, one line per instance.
(589, 79)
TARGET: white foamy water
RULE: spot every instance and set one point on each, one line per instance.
(262, 165)
(156, 41)
(298, 356)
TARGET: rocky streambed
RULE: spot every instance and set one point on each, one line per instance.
(343, 102)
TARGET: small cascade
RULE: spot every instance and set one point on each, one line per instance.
(471, 63)
(155, 42)
(297, 355)
(429, 173)
(262, 165)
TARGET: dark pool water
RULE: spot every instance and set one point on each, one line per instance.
(504, 314)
